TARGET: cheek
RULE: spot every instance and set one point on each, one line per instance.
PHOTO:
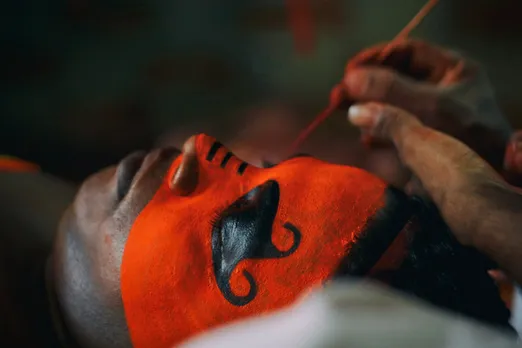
(108, 255)
(281, 280)
(96, 199)
(166, 279)
(164, 252)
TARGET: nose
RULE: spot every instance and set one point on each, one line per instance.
(185, 180)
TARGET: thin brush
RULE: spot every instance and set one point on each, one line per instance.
(337, 95)
(405, 32)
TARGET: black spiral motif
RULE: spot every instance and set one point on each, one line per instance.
(244, 231)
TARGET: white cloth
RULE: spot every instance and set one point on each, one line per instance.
(358, 315)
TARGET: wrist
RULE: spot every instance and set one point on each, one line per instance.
(495, 230)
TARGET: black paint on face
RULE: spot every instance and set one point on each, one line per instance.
(244, 231)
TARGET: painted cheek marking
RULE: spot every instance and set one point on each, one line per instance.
(168, 286)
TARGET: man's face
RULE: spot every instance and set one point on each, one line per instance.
(196, 239)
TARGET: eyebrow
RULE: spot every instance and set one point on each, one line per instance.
(242, 168)
(226, 159)
(213, 150)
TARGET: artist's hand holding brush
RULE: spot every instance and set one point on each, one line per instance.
(480, 207)
(443, 89)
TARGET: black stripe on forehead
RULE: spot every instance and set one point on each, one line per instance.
(242, 167)
(213, 150)
(226, 159)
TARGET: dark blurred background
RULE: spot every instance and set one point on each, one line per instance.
(84, 82)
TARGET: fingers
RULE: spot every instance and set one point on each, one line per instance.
(443, 164)
(412, 75)
(386, 86)
(382, 121)
(411, 57)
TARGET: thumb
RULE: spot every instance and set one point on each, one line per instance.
(480, 208)
(446, 168)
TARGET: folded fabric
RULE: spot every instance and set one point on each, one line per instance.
(356, 315)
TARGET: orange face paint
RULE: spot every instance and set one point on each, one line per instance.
(194, 262)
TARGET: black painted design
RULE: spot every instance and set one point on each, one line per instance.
(244, 231)
(242, 168)
(297, 239)
(213, 150)
(226, 159)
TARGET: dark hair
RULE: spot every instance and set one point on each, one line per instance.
(436, 267)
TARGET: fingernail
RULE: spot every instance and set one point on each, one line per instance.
(357, 81)
(360, 115)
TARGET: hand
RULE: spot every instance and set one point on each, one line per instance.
(446, 92)
(481, 209)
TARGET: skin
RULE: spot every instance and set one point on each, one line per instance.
(92, 235)
(90, 261)
(94, 232)
(443, 89)
(457, 179)
(91, 239)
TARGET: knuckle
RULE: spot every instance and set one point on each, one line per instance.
(388, 117)
(393, 116)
